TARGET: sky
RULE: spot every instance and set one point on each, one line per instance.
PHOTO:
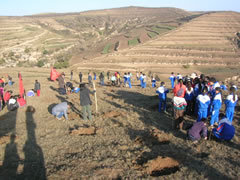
(29, 7)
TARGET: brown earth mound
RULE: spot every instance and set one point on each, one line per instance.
(161, 166)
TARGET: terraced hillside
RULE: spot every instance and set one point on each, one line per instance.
(46, 39)
(208, 39)
(24, 42)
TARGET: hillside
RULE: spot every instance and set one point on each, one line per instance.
(206, 40)
(130, 132)
(50, 38)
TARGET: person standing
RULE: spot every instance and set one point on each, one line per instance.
(118, 79)
(108, 75)
(80, 77)
(101, 77)
(71, 75)
(189, 97)
(137, 76)
(179, 86)
(141, 79)
(230, 103)
(129, 80)
(95, 76)
(90, 79)
(37, 87)
(172, 79)
(10, 80)
(216, 106)
(125, 79)
(179, 105)
(61, 82)
(153, 82)
(144, 81)
(85, 101)
(162, 95)
(203, 102)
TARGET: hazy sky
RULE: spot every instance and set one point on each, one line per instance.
(28, 7)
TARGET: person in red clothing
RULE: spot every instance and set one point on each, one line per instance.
(7, 96)
(179, 86)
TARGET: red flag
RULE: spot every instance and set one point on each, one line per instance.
(21, 89)
(54, 74)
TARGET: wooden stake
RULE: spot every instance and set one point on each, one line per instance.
(95, 97)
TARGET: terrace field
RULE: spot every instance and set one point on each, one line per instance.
(77, 36)
(205, 40)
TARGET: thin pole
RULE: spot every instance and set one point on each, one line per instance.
(95, 96)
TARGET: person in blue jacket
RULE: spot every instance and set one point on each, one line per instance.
(141, 79)
(213, 85)
(129, 80)
(95, 76)
(203, 102)
(230, 103)
(153, 82)
(172, 79)
(225, 129)
(144, 81)
(216, 106)
(162, 94)
(223, 86)
(125, 77)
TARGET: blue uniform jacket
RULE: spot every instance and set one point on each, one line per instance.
(225, 130)
(172, 78)
(217, 101)
(229, 102)
(223, 87)
(203, 101)
(212, 88)
(189, 95)
(162, 92)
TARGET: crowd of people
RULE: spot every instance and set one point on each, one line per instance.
(193, 95)
(13, 101)
(201, 97)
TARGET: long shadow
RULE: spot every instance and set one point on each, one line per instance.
(142, 104)
(11, 160)
(8, 123)
(146, 106)
(34, 166)
(54, 89)
(8, 170)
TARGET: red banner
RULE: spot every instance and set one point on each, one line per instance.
(54, 74)
(21, 88)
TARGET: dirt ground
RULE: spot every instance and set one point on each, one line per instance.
(132, 139)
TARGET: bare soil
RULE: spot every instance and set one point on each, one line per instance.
(130, 135)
